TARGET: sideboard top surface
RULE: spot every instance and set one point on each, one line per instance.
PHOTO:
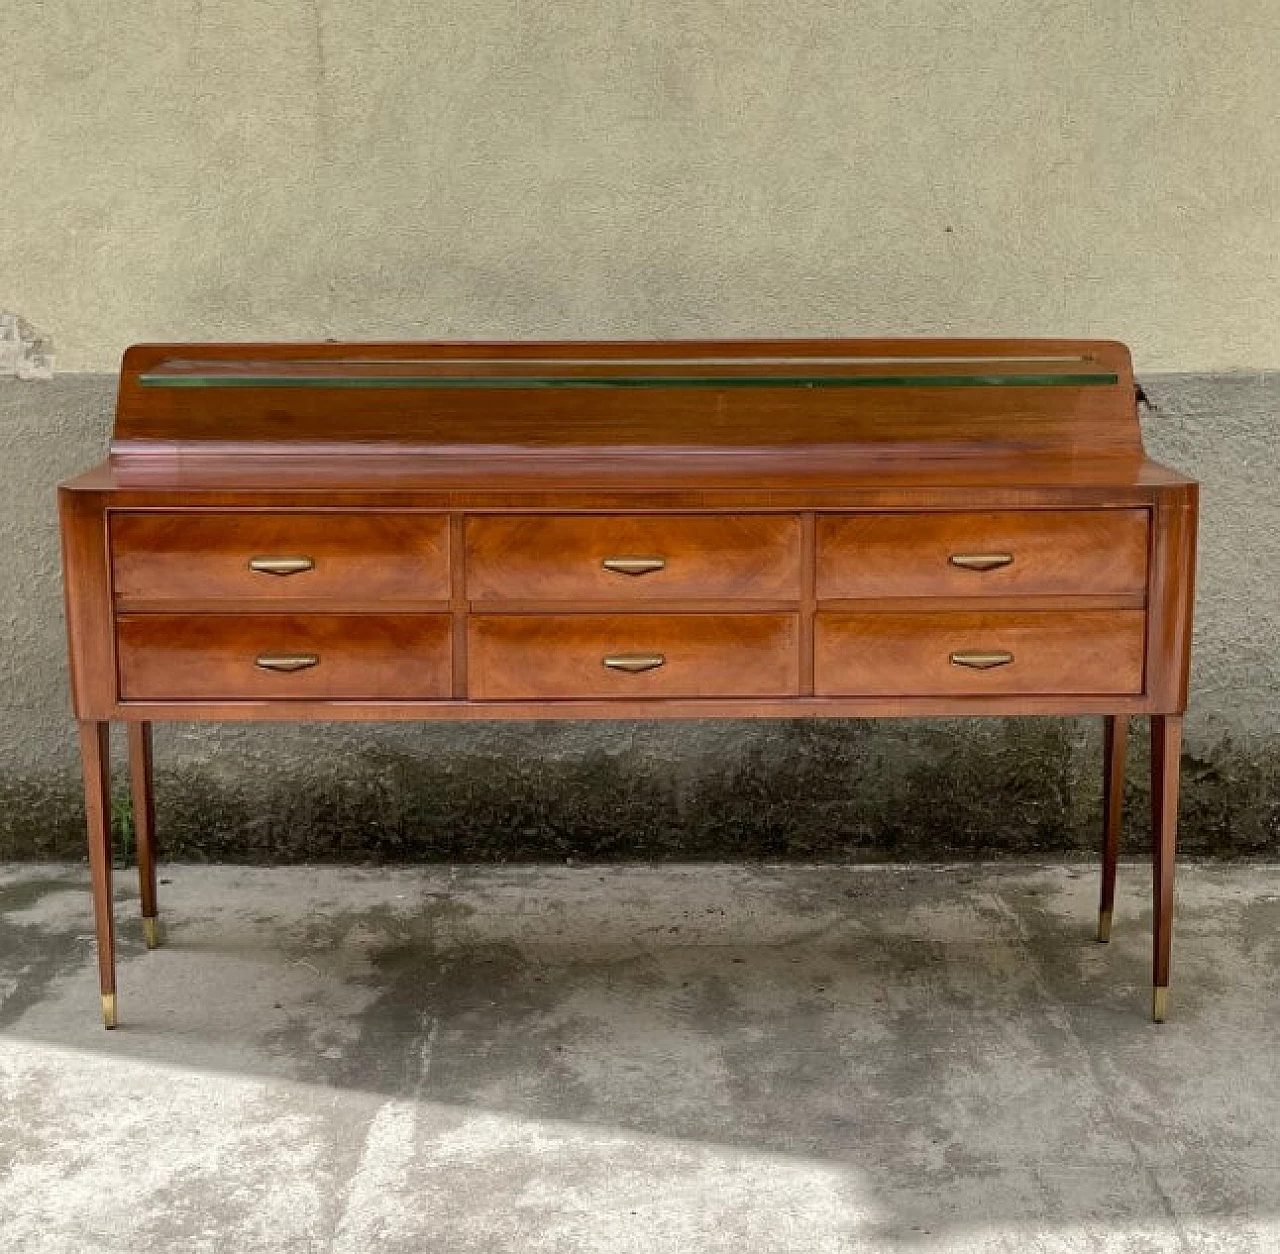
(745, 422)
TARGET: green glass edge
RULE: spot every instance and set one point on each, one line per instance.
(513, 383)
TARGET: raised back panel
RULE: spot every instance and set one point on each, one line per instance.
(1067, 397)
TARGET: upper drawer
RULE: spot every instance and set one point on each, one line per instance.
(1099, 552)
(187, 557)
(624, 557)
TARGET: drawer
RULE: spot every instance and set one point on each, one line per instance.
(1085, 651)
(624, 557)
(186, 557)
(548, 656)
(1099, 552)
(318, 656)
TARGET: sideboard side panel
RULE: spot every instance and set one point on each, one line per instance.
(1171, 596)
(88, 603)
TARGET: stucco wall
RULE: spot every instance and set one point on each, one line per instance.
(299, 168)
(372, 168)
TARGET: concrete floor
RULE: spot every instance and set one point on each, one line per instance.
(678, 1059)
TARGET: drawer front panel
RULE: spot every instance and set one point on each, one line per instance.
(1001, 553)
(284, 656)
(620, 557)
(974, 654)
(563, 656)
(175, 557)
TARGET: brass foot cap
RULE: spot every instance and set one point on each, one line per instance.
(108, 1010)
(151, 932)
(1104, 926)
(1159, 1004)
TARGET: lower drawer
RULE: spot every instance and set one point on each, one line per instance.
(548, 656)
(273, 656)
(977, 654)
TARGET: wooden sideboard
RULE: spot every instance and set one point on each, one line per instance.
(826, 528)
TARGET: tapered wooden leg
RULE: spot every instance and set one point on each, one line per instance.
(1115, 744)
(144, 826)
(1166, 753)
(95, 756)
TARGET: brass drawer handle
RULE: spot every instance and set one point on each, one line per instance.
(981, 561)
(634, 663)
(286, 661)
(982, 661)
(281, 565)
(634, 565)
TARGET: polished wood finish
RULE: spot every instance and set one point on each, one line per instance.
(1062, 421)
(605, 708)
(1115, 745)
(359, 656)
(563, 558)
(822, 528)
(95, 760)
(88, 605)
(553, 657)
(142, 795)
(1049, 552)
(921, 654)
(653, 480)
(1172, 596)
(1166, 753)
(163, 558)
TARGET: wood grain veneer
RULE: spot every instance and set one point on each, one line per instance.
(704, 557)
(170, 657)
(1063, 420)
(1096, 552)
(1092, 651)
(559, 656)
(174, 556)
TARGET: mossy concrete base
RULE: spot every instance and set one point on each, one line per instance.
(808, 790)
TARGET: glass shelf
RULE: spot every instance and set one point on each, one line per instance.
(642, 372)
